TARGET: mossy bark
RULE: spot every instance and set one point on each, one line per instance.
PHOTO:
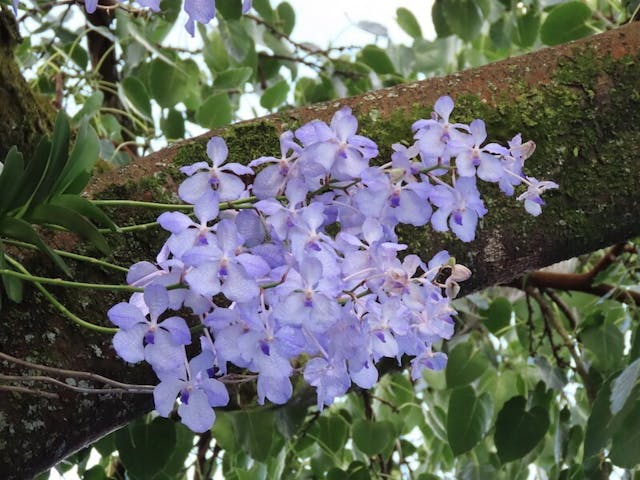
(579, 102)
(24, 117)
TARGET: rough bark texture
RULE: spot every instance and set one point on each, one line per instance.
(579, 102)
(25, 116)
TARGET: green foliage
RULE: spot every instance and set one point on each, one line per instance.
(468, 418)
(465, 365)
(45, 191)
(519, 430)
(566, 22)
(408, 22)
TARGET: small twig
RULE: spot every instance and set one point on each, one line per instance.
(40, 378)
(532, 350)
(387, 403)
(73, 373)
(41, 393)
(564, 308)
(580, 367)
(583, 282)
(56, 303)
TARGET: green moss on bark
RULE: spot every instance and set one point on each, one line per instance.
(24, 117)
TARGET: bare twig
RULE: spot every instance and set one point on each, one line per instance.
(580, 367)
(30, 391)
(73, 373)
(583, 282)
(41, 378)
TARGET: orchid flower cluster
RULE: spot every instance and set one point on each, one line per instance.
(201, 11)
(302, 272)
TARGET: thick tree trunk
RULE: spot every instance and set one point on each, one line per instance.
(580, 103)
(24, 116)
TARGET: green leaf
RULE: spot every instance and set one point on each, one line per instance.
(566, 22)
(597, 433)
(81, 161)
(254, 432)
(498, 315)
(439, 21)
(175, 463)
(290, 418)
(57, 161)
(106, 445)
(77, 54)
(215, 53)
(30, 179)
(408, 22)
(90, 107)
(465, 364)
(236, 39)
(229, 9)
(624, 446)
(12, 170)
(136, 93)
(223, 431)
(475, 471)
(623, 385)
(18, 229)
(372, 438)
(95, 473)
(263, 7)
(275, 95)
(377, 59)
(464, 17)
(173, 125)
(71, 220)
(111, 126)
(500, 33)
(12, 285)
(145, 448)
(517, 430)
(605, 341)
(331, 432)
(468, 419)
(167, 84)
(233, 78)
(287, 16)
(215, 111)
(527, 27)
(85, 208)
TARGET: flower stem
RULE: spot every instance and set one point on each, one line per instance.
(67, 283)
(74, 256)
(54, 301)
(134, 203)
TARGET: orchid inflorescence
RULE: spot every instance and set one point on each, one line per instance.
(302, 271)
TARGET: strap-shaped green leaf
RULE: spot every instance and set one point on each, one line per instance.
(12, 170)
(12, 285)
(77, 171)
(58, 156)
(32, 176)
(71, 220)
(85, 208)
(18, 229)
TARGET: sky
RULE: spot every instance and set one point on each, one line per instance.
(326, 21)
(334, 22)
